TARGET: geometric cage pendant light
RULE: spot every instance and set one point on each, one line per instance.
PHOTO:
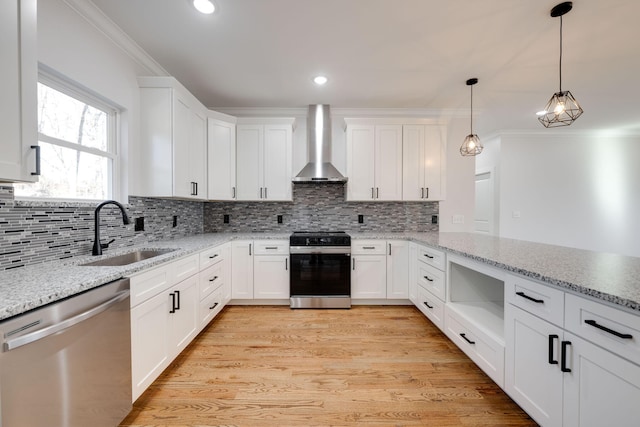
(471, 145)
(562, 109)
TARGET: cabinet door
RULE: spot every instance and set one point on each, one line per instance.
(434, 163)
(150, 348)
(413, 273)
(271, 276)
(413, 162)
(221, 154)
(532, 372)
(361, 162)
(184, 320)
(249, 161)
(242, 269)
(397, 269)
(18, 77)
(198, 155)
(182, 186)
(602, 388)
(277, 162)
(388, 162)
(368, 276)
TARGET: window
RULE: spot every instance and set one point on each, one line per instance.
(76, 133)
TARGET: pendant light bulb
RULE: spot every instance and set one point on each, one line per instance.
(471, 146)
(562, 109)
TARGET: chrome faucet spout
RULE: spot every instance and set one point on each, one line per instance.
(97, 246)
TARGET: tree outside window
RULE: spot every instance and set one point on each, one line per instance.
(76, 136)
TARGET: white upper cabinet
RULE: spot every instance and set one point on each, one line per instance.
(423, 163)
(18, 80)
(374, 161)
(221, 152)
(264, 159)
(173, 140)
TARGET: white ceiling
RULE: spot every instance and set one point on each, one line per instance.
(413, 54)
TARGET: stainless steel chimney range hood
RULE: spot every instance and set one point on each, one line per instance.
(319, 167)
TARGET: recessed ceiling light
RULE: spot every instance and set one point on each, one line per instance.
(204, 6)
(320, 80)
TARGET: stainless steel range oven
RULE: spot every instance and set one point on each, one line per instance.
(320, 274)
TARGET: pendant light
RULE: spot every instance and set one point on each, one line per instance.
(471, 145)
(562, 109)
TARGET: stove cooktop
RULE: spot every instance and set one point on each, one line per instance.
(319, 238)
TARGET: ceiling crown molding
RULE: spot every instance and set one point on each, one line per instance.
(96, 17)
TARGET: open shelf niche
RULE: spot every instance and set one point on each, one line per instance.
(476, 292)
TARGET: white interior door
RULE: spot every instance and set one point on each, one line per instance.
(483, 222)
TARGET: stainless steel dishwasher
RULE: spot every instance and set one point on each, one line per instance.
(68, 364)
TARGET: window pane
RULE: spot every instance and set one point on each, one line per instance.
(69, 174)
(63, 117)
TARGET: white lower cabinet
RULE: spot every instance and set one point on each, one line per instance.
(561, 378)
(170, 305)
(164, 318)
(602, 389)
(532, 369)
(242, 269)
(397, 269)
(368, 276)
(271, 280)
(481, 347)
(183, 316)
(431, 306)
(150, 347)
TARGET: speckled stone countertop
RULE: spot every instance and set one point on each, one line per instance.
(605, 276)
(608, 277)
(27, 288)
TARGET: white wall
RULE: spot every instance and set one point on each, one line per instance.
(75, 49)
(572, 190)
(460, 181)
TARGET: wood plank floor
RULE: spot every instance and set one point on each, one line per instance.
(373, 366)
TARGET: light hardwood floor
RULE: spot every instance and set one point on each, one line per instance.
(367, 366)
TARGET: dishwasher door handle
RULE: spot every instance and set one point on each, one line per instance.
(50, 330)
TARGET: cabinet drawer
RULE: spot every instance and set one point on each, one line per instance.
(540, 300)
(211, 279)
(211, 306)
(484, 351)
(211, 256)
(368, 247)
(431, 307)
(432, 257)
(271, 247)
(150, 283)
(608, 327)
(432, 280)
(186, 267)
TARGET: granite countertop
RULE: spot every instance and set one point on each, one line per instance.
(608, 277)
(605, 276)
(27, 288)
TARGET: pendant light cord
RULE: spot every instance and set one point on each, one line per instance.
(560, 66)
(471, 110)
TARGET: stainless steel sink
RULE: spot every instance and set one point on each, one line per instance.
(128, 258)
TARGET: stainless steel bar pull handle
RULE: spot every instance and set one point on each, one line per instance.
(50, 330)
(249, 249)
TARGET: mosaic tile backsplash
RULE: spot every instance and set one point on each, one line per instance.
(319, 207)
(34, 232)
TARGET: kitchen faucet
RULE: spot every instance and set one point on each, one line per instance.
(97, 246)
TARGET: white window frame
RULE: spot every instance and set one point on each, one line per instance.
(51, 79)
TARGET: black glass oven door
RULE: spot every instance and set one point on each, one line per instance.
(320, 275)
